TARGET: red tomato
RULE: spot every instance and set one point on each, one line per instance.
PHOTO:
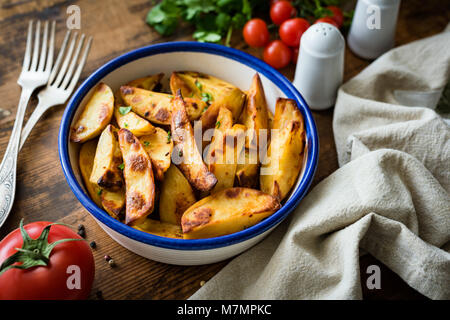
(281, 11)
(294, 55)
(56, 280)
(277, 54)
(327, 20)
(337, 15)
(256, 33)
(275, 1)
(291, 31)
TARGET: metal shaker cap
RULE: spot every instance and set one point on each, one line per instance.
(320, 65)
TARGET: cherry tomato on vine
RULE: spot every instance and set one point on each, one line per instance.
(255, 33)
(60, 264)
(327, 20)
(281, 11)
(272, 2)
(277, 54)
(291, 31)
(337, 15)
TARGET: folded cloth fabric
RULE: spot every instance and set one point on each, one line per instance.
(390, 196)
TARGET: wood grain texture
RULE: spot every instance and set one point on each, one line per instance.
(118, 27)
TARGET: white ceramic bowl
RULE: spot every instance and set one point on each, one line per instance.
(229, 64)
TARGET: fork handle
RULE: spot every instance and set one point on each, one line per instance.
(34, 118)
(8, 166)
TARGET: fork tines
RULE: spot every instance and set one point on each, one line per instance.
(64, 77)
(45, 59)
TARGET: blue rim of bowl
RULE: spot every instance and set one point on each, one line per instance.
(198, 244)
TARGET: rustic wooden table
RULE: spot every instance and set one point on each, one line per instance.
(119, 26)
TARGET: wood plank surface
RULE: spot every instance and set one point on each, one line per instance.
(118, 27)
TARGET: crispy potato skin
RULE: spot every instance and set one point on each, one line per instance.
(96, 115)
(138, 174)
(157, 107)
(285, 151)
(228, 211)
(112, 202)
(176, 196)
(255, 115)
(160, 228)
(159, 147)
(223, 94)
(247, 170)
(131, 121)
(227, 146)
(148, 83)
(108, 157)
(189, 159)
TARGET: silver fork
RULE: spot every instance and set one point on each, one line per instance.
(62, 80)
(35, 73)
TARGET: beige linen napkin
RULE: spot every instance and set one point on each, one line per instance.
(390, 197)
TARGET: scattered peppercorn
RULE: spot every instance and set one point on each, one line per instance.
(93, 245)
(112, 263)
(80, 227)
(82, 233)
(99, 294)
(107, 258)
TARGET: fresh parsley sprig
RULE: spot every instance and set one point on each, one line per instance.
(214, 20)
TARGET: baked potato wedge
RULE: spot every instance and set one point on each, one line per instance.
(255, 115)
(161, 229)
(247, 169)
(227, 146)
(176, 196)
(127, 119)
(216, 92)
(138, 174)
(95, 116)
(86, 163)
(223, 123)
(227, 211)
(158, 145)
(106, 173)
(112, 202)
(186, 155)
(285, 153)
(152, 83)
(157, 107)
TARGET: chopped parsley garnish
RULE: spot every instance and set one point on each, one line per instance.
(146, 143)
(99, 191)
(124, 110)
(218, 124)
(125, 125)
(207, 97)
(198, 85)
(121, 166)
(169, 136)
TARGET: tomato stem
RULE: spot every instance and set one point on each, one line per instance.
(34, 252)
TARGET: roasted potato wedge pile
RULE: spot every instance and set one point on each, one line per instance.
(143, 161)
